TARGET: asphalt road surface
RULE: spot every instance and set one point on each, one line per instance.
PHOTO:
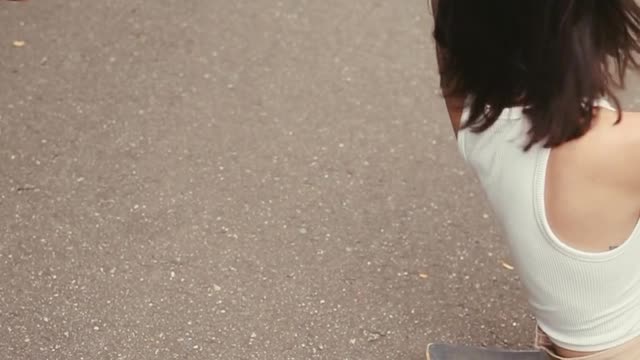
(262, 179)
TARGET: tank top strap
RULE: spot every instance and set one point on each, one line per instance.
(604, 103)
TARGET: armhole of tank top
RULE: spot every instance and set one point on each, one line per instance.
(540, 211)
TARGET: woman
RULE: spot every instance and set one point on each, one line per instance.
(524, 82)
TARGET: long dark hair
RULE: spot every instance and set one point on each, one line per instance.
(554, 57)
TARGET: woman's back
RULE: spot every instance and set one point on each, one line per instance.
(561, 210)
(558, 164)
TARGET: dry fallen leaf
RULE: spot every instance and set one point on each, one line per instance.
(507, 266)
(18, 43)
(423, 275)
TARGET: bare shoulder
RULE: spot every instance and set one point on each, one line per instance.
(613, 149)
(608, 134)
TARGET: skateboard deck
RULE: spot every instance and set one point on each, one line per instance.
(458, 352)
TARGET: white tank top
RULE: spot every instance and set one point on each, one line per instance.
(583, 301)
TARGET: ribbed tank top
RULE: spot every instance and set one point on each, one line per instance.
(583, 301)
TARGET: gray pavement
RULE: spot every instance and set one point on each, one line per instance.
(213, 179)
